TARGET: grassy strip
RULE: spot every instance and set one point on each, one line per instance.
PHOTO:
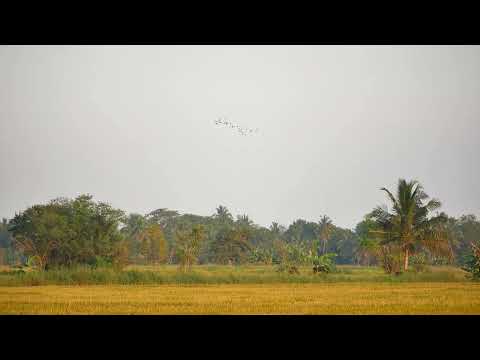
(138, 275)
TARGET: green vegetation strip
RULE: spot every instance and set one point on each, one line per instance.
(217, 274)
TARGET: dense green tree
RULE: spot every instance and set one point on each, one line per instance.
(5, 236)
(134, 225)
(188, 244)
(232, 245)
(65, 232)
(294, 232)
(153, 246)
(38, 231)
(367, 247)
(7, 253)
(467, 231)
(344, 243)
(301, 231)
(162, 216)
(261, 237)
(167, 219)
(472, 260)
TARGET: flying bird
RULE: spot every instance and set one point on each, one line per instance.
(241, 130)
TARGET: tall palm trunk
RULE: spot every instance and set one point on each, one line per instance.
(405, 260)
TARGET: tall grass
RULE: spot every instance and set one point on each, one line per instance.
(215, 274)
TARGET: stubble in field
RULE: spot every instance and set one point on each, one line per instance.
(341, 298)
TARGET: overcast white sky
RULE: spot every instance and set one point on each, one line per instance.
(134, 126)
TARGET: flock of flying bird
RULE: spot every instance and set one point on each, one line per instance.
(241, 130)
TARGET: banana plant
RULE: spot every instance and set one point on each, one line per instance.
(323, 263)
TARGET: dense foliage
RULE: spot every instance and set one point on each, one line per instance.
(472, 261)
(66, 232)
(7, 253)
(188, 246)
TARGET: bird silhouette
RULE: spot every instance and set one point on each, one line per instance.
(241, 130)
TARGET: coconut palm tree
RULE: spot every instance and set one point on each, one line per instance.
(325, 228)
(409, 224)
(244, 220)
(223, 214)
(275, 228)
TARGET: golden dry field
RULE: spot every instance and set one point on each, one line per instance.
(327, 298)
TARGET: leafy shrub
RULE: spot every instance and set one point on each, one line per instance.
(291, 256)
(419, 262)
(100, 262)
(390, 259)
(290, 268)
(472, 263)
(260, 255)
(324, 263)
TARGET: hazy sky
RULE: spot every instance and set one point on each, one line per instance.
(134, 126)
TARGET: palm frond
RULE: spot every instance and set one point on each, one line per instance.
(433, 204)
(392, 199)
(382, 217)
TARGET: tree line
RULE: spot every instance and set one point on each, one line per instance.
(410, 232)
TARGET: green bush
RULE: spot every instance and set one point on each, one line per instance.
(288, 268)
(324, 263)
(390, 259)
(419, 262)
(100, 262)
(472, 262)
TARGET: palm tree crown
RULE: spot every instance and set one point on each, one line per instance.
(408, 224)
